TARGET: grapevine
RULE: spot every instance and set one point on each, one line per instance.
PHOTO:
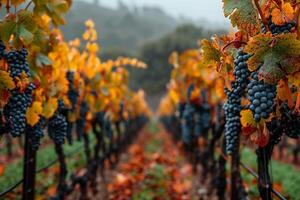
(261, 96)
(233, 92)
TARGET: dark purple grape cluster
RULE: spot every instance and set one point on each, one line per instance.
(277, 29)
(57, 128)
(37, 133)
(72, 92)
(15, 110)
(187, 123)
(290, 122)
(2, 50)
(17, 61)
(202, 116)
(275, 130)
(261, 96)
(232, 107)
(241, 71)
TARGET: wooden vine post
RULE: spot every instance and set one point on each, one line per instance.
(29, 169)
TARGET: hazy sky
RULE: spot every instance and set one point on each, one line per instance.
(195, 9)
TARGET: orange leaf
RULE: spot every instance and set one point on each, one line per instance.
(284, 93)
(246, 131)
(286, 14)
(277, 186)
(261, 137)
(50, 107)
(51, 191)
(178, 188)
(32, 114)
(2, 169)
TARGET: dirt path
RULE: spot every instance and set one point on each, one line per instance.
(153, 168)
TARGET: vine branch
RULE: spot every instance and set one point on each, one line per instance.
(262, 16)
(7, 6)
(28, 5)
(297, 14)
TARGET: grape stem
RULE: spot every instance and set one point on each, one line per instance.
(297, 14)
(28, 5)
(262, 16)
(7, 6)
(277, 3)
(232, 42)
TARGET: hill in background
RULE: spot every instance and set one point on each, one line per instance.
(122, 28)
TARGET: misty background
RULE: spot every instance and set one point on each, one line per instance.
(149, 30)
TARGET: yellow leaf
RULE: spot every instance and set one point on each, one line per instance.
(247, 118)
(6, 82)
(93, 48)
(294, 79)
(86, 35)
(32, 114)
(90, 23)
(286, 14)
(49, 108)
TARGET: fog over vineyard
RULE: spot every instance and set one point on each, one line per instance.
(150, 99)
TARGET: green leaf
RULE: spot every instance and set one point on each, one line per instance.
(25, 35)
(61, 7)
(6, 82)
(242, 14)
(42, 60)
(7, 28)
(27, 20)
(277, 56)
(17, 43)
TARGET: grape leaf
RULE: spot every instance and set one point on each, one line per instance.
(54, 10)
(50, 108)
(6, 82)
(7, 28)
(247, 118)
(242, 14)
(295, 79)
(283, 15)
(209, 52)
(22, 26)
(26, 18)
(276, 56)
(25, 35)
(42, 60)
(33, 113)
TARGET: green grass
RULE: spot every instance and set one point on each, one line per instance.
(153, 127)
(155, 144)
(282, 173)
(14, 170)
